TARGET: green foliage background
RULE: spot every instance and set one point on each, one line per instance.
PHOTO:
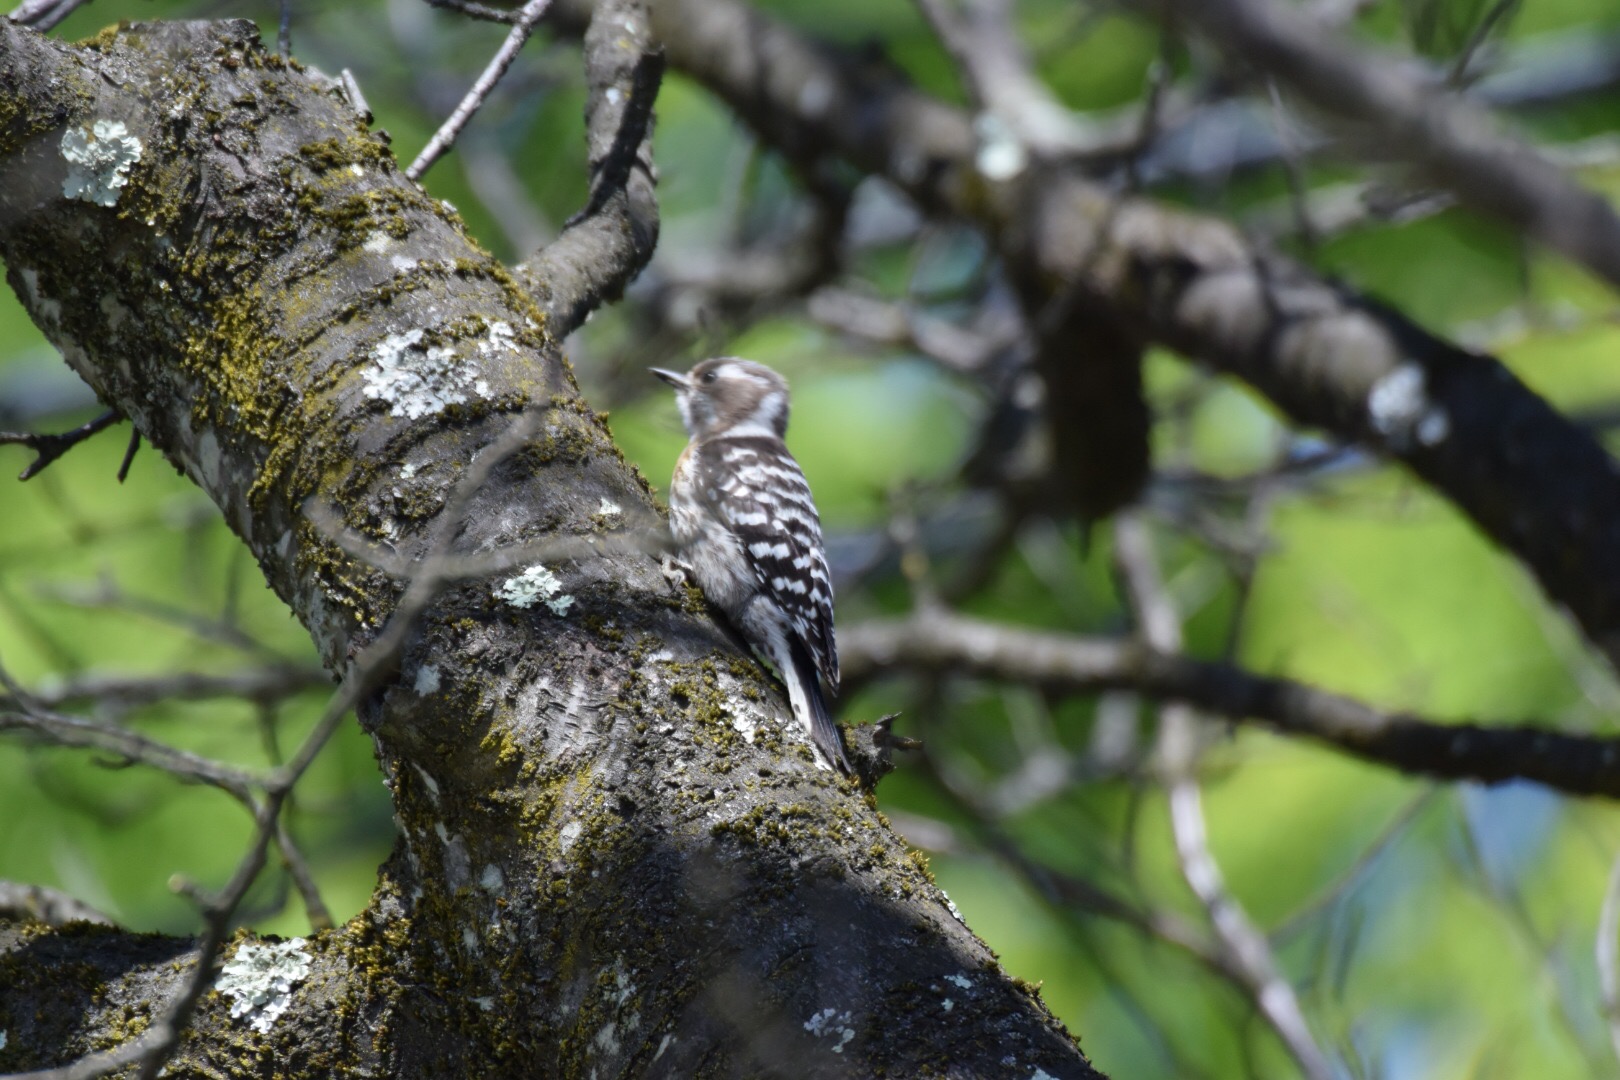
(1464, 947)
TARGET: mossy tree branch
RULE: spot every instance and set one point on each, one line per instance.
(616, 856)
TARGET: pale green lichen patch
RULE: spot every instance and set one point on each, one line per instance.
(831, 1024)
(99, 160)
(536, 585)
(500, 337)
(259, 980)
(416, 379)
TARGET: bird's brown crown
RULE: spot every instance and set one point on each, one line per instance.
(731, 396)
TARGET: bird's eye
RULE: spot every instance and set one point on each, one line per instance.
(710, 376)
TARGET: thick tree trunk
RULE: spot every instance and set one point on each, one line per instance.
(617, 856)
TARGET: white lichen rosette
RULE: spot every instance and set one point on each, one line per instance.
(536, 585)
(259, 980)
(417, 379)
(99, 159)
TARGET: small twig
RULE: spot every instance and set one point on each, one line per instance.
(109, 596)
(1550, 957)
(129, 455)
(998, 75)
(49, 906)
(31, 11)
(475, 11)
(961, 350)
(292, 857)
(1608, 954)
(1160, 627)
(1076, 895)
(164, 1036)
(43, 15)
(357, 98)
(50, 447)
(264, 685)
(1066, 890)
(1459, 75)
(1451, 139)
(1486, 752)
(445, 137)
(1329, 896)
(734, 284)
(284, 31)
(22, 713)
(1293, 170)
(320, 917)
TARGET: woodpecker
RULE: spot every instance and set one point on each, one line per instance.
(747, 531)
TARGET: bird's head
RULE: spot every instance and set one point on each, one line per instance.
(728, 395)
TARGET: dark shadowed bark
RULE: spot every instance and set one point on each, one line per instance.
(617, 856)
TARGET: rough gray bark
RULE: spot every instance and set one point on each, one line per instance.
(617, 856)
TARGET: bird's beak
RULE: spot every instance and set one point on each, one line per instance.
(674, 378)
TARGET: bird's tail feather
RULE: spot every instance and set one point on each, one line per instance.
(813, 703)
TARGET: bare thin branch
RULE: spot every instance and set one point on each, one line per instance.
(1491, 753)
(1346, 881)
(1453, 141)
(123, 692)
(22, 714)
(445, 137)
(292, 857)
(129, 454)
(475, 11)
(107, 595)
(43, 15)
(1076, 894)
(999, 77)
(49, 906)
(1608, 955)
(284, 30)
(356, 97)
(959, 349)
(1160, 627)
(50, 447)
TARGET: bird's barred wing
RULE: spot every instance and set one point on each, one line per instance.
(759, 491)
